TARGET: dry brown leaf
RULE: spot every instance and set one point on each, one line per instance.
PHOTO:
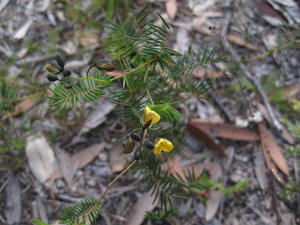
(272, 167)
(22, 31)
(231, 37)
(241, 42)
(40, 157)
(13, 209)
(198, 22)
(209, 141)
(291, 90)
(23, 106)
(80, 159)
(143, 205)
(118, 160)
(285, 133)
(207, 73)
(271, 148)
(171, 8)
(260, 170)
(214, 197)
(212, 119)
(87, 155)
(97, 116)
(226, 131)
(67, 167)
(266, 9)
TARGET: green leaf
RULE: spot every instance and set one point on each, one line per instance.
(85, 211)
(39, 222)
(166, 111)
(86, 89)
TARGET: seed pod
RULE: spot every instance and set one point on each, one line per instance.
(67, 73)
(149, 144)
(107, 66)
(135, 137)
(68, 83)
(53, 69)
(60, 61)
(137, 154)
(52, 77)
(128, 146)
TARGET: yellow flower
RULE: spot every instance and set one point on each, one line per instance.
(162, 145)
(150, 115)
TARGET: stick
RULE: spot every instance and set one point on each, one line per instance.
(255, 81)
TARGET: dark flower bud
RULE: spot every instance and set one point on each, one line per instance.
(68, 83)
(107, 66)
(137, 154)
(52, 77)
(53, 69)
(60, 61)
(149, 144)
(128, 146)
(135, 137)
(67, 73)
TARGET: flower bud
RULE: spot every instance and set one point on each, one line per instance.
(107, 66)
(60, 61)
(68, 83)
(137, 154)
(53, 69)
(135, 137)
(67, 73)
(52, 77)
(149, 144)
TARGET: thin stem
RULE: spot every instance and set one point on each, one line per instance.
(88, 78)
(133, 70)
(150, 98)
(273, 51)
(116, 179)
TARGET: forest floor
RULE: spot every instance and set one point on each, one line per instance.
(51, 159)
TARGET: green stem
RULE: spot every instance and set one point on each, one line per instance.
(273, 51)
(116, 179)
(133, 70)
(88, 78)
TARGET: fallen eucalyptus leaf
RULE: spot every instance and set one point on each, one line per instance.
(40, 156)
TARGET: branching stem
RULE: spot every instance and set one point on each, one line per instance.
(116, 179)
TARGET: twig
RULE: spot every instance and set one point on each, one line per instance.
(223, 108)
(255, 81)
(116, 178)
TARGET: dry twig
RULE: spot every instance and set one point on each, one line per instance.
(255, 81)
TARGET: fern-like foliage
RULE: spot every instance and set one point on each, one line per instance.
(86, 211)
(84, 89)
(154, 76)
(136, 40)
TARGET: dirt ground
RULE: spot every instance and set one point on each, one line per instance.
(84, 145)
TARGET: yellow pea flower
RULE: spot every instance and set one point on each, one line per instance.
(150, 115)
(162, 145)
